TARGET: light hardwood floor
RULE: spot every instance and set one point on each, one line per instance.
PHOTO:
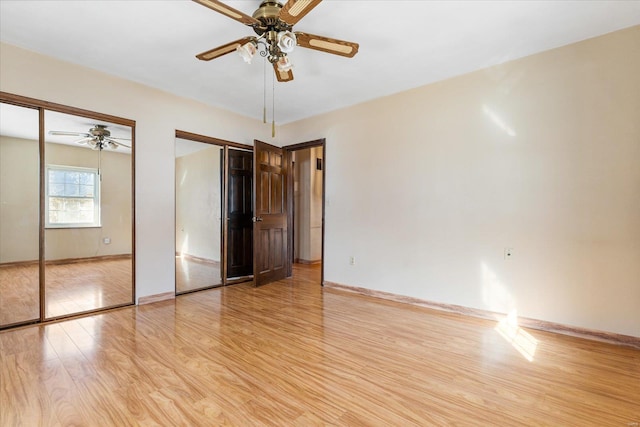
(19, 290)
(193, 274)
(293, 353)
(70, 288)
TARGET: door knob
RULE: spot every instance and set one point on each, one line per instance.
(256, 219)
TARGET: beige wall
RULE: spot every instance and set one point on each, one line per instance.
(427, 188)
(198, 209)
(19, 199)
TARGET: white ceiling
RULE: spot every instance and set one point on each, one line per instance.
(403, 44)
(20, 122)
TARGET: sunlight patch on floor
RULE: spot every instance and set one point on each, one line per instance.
(520, 339)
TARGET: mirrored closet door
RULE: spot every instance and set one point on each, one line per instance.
(87, 214)
(19, 215)
(66, 211)
(198, 172)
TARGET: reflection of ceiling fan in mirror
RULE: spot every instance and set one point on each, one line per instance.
(273, 23)
(98, 138)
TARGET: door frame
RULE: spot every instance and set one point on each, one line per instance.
(225, 145)
(288, 150)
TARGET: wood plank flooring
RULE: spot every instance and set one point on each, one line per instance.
(19, 290)
(70, 288)
(84, 286)
(193, 274)
(294, 354)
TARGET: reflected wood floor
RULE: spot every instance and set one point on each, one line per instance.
(19, 290)
(70, 288)
(293, 353)
(194, 274)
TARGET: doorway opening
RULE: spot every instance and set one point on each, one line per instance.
(307, 162)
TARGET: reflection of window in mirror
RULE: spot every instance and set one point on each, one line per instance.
(72, 197)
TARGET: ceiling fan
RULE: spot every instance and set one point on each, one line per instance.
(98, 138)
(273, 23)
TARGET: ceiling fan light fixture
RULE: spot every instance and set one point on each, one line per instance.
(284, 64)
(286, 41)
(247, 51)
(273, 22)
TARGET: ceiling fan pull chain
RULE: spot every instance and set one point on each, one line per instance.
(273, 106)
(264, 87)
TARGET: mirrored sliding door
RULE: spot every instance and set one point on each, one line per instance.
(19, 215)
(87, 207)
(198, 215)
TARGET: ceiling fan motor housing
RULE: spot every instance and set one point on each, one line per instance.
(268, 15)
(100, 131)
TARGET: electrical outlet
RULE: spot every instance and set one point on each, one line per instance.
(352, 260)
(508, 253)
(106, 240)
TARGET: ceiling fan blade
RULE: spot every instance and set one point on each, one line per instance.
(65, 133)
(232, 13)
(326, 44)
(117, 143)
(223, 50)
(117, 137)
(282, 75)
(83, 140)
(295, 10)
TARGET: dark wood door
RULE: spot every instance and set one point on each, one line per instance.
(270, 223)
(240, 213)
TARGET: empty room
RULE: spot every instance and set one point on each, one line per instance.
(307, 212)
